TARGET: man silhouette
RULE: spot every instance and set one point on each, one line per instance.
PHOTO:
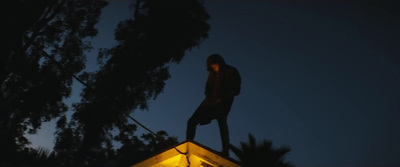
(222, 85)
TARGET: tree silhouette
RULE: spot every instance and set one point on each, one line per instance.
(130, 74)
(32, 87)
(44, 51)
(263, 155)
(135, 150)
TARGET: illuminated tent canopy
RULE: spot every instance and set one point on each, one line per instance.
(188, 152)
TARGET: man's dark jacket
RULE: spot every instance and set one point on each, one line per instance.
(224, 85)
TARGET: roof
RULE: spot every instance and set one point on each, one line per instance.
(188, 152)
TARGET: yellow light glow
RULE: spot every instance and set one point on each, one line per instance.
(199, 156)
(173, 161)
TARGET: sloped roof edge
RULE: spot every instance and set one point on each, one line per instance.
(179, 152)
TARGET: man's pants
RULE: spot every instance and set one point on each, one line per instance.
(204, 114)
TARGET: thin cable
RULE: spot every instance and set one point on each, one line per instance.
(179, 151)
(129, 116)
(63, 69)
(137, 122)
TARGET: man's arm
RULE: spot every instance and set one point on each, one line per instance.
(233, 83)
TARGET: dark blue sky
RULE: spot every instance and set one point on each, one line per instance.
(322, 78)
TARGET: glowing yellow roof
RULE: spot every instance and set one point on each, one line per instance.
(196, 155)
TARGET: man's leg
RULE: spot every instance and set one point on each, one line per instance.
(191, 127)
(223, 130)
(198, 117)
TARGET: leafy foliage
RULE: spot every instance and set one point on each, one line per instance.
(262, 155)
(130, 74)
(32, 88)
(44, 50)
(135, 150)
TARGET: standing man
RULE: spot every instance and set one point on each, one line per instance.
(222, 85)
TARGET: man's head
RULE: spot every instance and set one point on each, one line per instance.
(214, 62)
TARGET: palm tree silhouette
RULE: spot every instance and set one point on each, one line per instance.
(263, 155)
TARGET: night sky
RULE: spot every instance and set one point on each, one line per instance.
(320, 77)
